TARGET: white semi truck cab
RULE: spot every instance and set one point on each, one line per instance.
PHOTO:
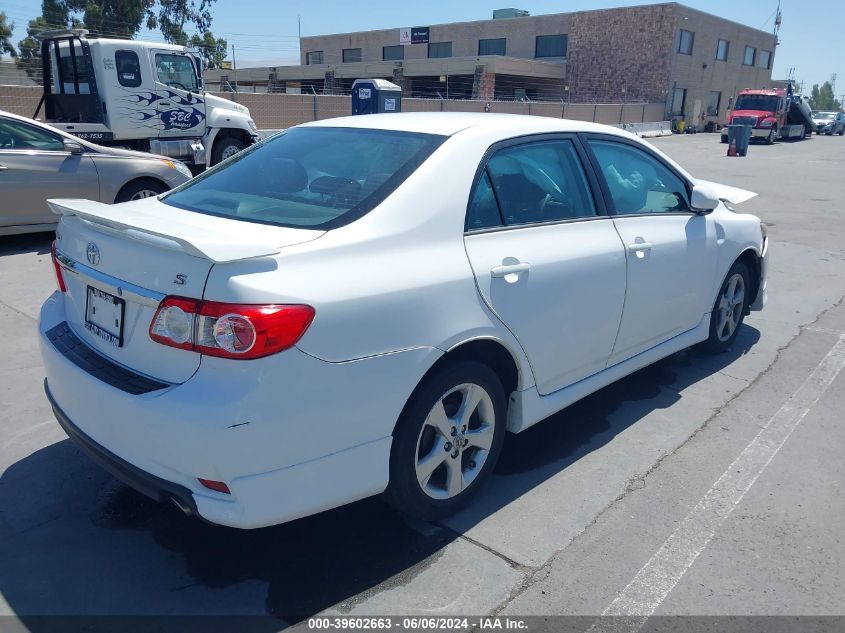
(140, 95)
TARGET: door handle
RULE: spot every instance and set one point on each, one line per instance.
(509, 269)
(639, 249)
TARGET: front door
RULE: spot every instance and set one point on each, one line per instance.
(35, 166)
(671, 251)
(547, 262)
(180, 105)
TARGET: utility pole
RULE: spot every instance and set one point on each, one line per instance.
(235, 69)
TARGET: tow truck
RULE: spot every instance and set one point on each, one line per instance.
(139, 95)
(772, 113)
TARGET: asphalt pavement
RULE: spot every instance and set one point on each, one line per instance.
(702, 485)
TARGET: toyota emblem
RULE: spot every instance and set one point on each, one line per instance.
(92, 252)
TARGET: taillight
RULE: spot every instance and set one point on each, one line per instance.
(229, 330)
(60, 280)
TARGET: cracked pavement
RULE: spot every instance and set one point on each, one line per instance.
(579, 504)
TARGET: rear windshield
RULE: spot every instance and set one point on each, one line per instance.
(766, 103)
(309, 177)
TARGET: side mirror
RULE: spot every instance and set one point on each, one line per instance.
(703, 199)
(73, 147)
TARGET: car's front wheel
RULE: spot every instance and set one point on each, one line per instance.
(729, 309)
(140, 189)
(447, 441)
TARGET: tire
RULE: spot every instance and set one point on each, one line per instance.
(770, 139)
(429, 489)
(225, 147)
(139, 189)
(725, 140)
(723, 332)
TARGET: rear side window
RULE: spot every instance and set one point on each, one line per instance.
(128, 68)
(638, 182)
(483, 210)
(310, 177)
(540, 182)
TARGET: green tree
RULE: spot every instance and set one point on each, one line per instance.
(212, 49)
(822, 99)
(6, 36)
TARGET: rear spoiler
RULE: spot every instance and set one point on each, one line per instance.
(162, 231)
(726, 193)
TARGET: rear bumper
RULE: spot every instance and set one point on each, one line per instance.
(290, 435)
(145, 483)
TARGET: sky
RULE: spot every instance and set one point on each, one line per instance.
(264, 32)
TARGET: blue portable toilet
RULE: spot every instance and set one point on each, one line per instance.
(370, 96)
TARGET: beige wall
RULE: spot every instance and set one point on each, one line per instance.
(276, 111)
(520, 34)
(700, 73)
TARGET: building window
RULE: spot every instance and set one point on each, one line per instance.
(128, 68)
(685, 42)
(722, 48)
(492, 47)
(765, 59)
(351, 55)
(679, 98)
(439, 49)
(314, 57)
(714, 103)
(393, 53)
(550, 46)
(750, 54)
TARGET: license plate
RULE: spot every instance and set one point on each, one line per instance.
(104, 316)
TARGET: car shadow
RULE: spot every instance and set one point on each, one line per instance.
(73, 541)
(38, 243)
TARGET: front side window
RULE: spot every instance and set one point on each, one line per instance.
(176, 71)
(685, 42)
(492, 47)
(313, 57)
(765, 59)
(313, 177)
(440, 49)
(351, 55)
(17, 135)
(748, 57)
(393, 53)
(550, 46)
(128, 68)
(722, 50)
(638, 182)
(540, 182)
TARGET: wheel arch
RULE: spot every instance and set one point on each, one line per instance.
(751, 258)
(138, 179)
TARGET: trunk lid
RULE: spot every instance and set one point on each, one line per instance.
(119, 262)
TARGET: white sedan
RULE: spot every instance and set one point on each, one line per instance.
(367, 304)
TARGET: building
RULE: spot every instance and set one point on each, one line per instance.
(692, 61)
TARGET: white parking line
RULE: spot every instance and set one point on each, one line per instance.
(662, 572)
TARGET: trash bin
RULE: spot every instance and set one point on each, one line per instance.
(370, 96)
(739, 137)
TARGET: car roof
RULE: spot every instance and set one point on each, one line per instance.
(450, 123)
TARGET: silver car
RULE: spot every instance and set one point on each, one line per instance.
(39, 162)
(829, 123)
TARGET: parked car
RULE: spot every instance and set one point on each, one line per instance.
(829, 123)
(367, 304)
(39, 162)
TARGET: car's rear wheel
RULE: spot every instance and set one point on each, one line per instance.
(729, 309)
(140, 189)
(447, 441)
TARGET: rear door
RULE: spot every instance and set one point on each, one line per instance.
(34, 166)
(180, 106)
(671, 252)
(547, 260)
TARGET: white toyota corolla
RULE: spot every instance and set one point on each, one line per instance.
(367, 305)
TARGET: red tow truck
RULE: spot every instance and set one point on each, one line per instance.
(772, 113)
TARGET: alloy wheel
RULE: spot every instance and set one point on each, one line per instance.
(455, 441)
(144, 193)
(731, 305)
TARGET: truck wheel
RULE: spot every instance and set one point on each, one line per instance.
(139, 189)
(224, 148)
(770, 139)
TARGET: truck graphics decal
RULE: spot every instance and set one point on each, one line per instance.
(145, 107)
